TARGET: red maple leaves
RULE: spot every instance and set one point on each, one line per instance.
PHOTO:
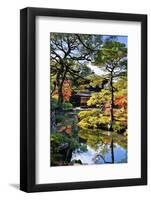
(121, 101)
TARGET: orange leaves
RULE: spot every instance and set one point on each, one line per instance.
(121, 101)
(62, 129)
(66, 129)
(66, 90)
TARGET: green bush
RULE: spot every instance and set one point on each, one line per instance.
(59, 138)
(54, 104)
(119, 128)
(67, 106)
(60, 117)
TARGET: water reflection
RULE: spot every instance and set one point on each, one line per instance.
(72, 145)
(102, 147)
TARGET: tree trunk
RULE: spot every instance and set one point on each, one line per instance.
(59, 88)
(53, 122)
(112, 102)
(60, 96)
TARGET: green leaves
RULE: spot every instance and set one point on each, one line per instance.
(112, 54)
(67, 106)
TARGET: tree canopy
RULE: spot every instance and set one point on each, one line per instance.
(69, 55)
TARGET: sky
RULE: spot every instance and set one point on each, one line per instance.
(122, 39)
(96, 69)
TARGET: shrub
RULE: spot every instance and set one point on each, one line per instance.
(87, 113)
(67, 106)
(60, 118)
(54, 104)
(58, 138)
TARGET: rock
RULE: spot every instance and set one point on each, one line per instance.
(76, 162)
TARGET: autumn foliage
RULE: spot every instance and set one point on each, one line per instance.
(66, 90)
(121, 101)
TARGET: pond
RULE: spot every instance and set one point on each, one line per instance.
(102, 147)
(97, 146)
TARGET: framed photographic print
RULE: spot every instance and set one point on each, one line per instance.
(83, 96)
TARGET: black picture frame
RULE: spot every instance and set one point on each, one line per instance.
(28, 98)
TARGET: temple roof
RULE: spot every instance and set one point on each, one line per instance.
(83, 94)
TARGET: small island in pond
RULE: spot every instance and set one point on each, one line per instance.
(88, 99)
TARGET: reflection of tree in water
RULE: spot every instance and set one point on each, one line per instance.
(103, 142)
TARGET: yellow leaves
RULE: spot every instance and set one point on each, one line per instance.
(98, 98)
(86, 113)
(55, 95)
(104, 120)
(83, 124)
(93, 120)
